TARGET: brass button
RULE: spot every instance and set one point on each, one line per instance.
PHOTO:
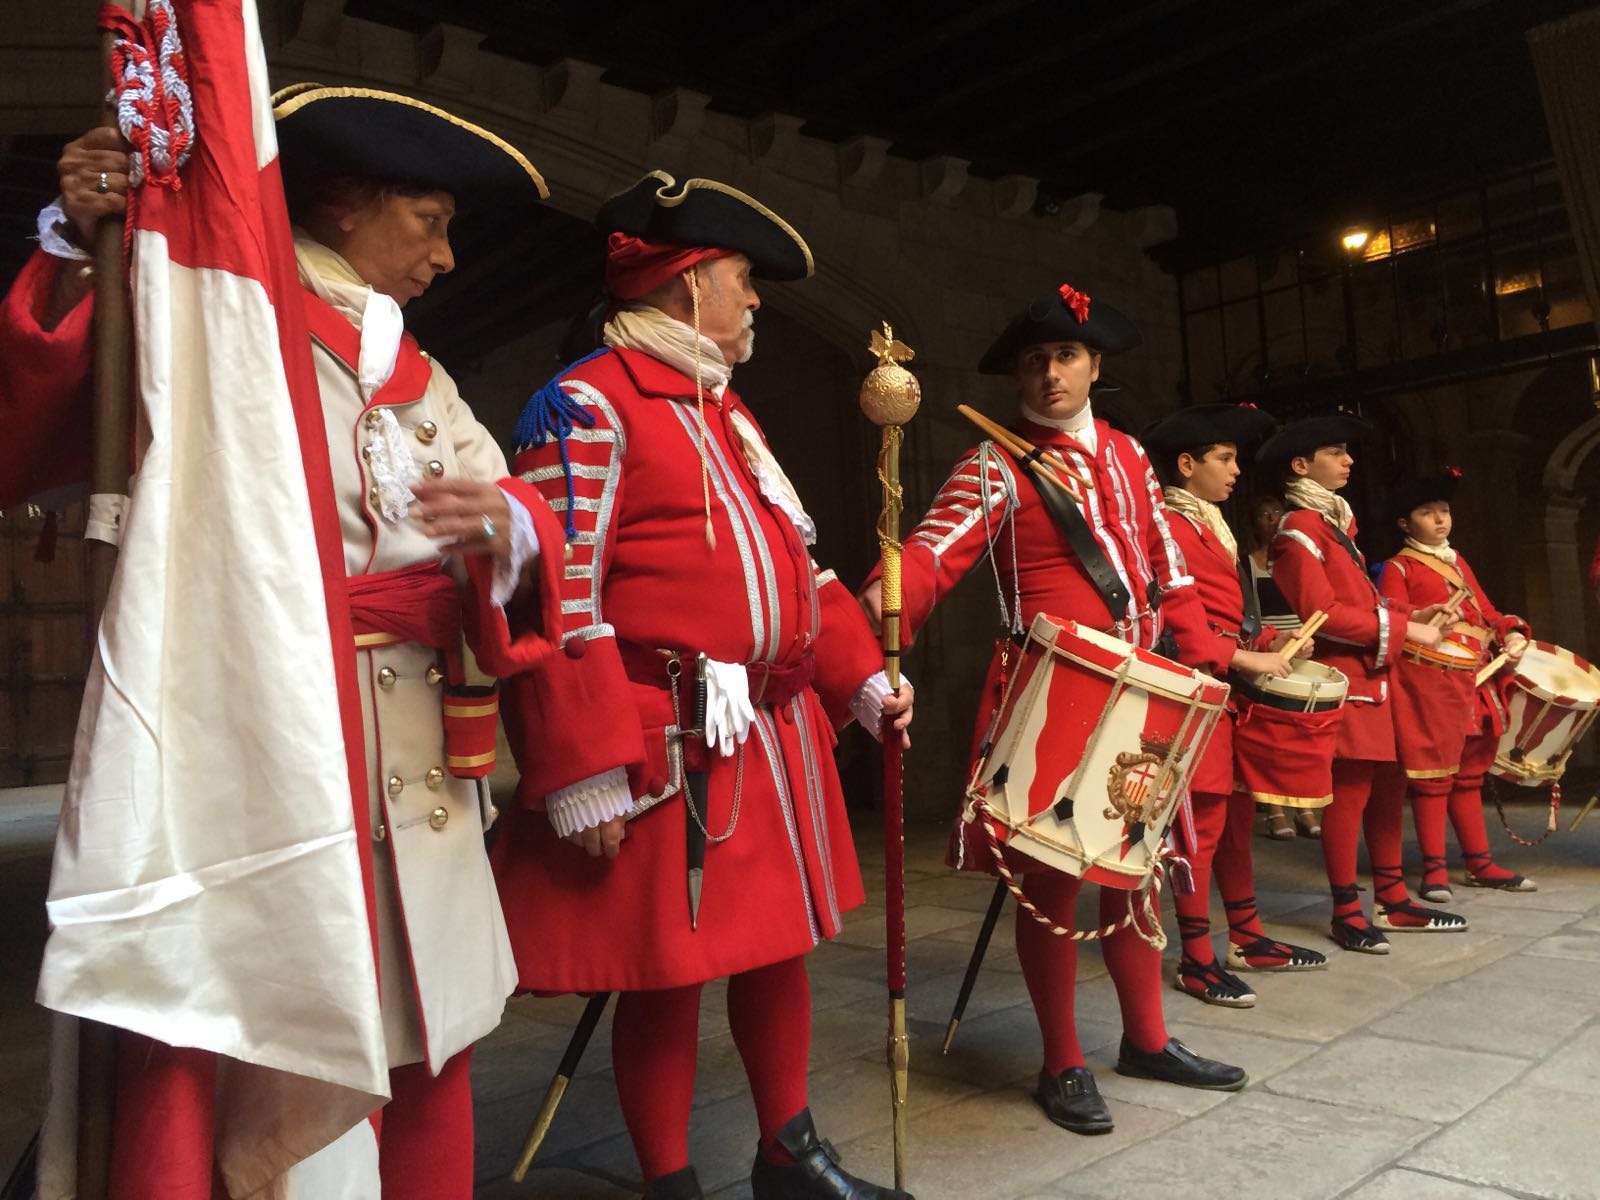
(435, 676)
(396, 785)
(437, 818)
(373, 419)
(380, 833)
(386, 677)
(426, 357)
(436, 468)
(372, 495)
(435, 778)
(427, 431)
(567, 550)
(366, 452)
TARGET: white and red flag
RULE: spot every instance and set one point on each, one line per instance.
(210, 888)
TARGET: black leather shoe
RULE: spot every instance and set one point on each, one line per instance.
(1072, 1101)
(680, 1185)
(1176, 1063)
(815, 1173)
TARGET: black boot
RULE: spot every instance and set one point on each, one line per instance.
(1072, 1101)
(815, 1173)
(680, 1185)
(1176, 1063)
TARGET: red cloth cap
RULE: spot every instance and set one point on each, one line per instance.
(636, 267)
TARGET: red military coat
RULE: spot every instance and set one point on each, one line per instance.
(1210, 646)
(44, 395)
(641, 579)
(1436, 709)
(1363, 633)
(1037, 565)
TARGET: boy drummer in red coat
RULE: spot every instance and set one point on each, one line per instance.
(1196, 451)
(708, 661)
(1318, 567)
(991, 506)
(1447, 725)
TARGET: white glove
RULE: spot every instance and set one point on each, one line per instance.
(728, 710)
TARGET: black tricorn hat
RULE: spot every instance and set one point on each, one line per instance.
(703, 212)
(1065, 315)
(385, 135)
(1426, 489)
(1207, 425)
(1308, 436)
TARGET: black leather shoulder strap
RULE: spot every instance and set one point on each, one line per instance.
(1107, 583)
(1251, 625)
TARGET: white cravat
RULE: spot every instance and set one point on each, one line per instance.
(1079, 426)
(1443, 551)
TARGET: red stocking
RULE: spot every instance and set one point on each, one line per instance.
(1194, 910)
(769, 1010)
(425, 1133)
(1341, 835)
(1383, 821)
(162, 1145)
(1135, 967)
(1429, 798)
(1466, 809)
(1050, 965)
(655, 1037)
(1235, 871)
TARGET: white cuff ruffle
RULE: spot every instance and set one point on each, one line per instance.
(524, 550)
(867, 704)
(589, 802)
(52, 221)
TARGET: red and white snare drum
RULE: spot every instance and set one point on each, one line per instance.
(1448, 655)
(1552, 697)
(1091, 752)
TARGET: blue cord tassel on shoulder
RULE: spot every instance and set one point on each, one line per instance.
(551, 413)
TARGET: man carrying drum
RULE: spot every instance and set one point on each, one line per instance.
(1196, 453)
(1317, 565)
(1447, 725)
(990, 504)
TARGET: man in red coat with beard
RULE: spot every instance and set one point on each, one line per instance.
(991, 506)
(1316, 563)
(708, 662)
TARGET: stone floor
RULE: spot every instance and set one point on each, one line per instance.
(1461, 1067)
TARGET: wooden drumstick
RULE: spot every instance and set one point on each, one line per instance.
(1487, 671)
(1302, 635)
(1451, 609)
(1050, 472)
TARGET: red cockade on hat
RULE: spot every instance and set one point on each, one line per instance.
(636, 267)
(1453, 472)
(1076, 301)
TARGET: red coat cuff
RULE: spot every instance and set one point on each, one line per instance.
(503, 643)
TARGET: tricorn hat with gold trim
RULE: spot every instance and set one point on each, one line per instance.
(366, 132)
(703, 212)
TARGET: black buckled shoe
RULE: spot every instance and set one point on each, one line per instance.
(1072, 1101)
(815, 1173)
(680, 1185)
(1176, 1063)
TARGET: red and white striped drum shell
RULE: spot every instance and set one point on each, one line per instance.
(1552, 696)
(1092, 750)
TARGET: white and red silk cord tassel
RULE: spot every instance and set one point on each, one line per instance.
(155, 111)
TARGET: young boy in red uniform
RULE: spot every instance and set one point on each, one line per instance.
(1317, 565)
(1448, 726)
(1196, 453)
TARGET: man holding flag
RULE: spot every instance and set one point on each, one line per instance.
(270, 875)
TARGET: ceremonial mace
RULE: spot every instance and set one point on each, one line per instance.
(889, 398)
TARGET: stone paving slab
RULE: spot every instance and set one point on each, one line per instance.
(1553, 974)
(1329, 1148)
(1477, 1014)
(1528, 1140)
(1414, 1185)
(1408, 1079)
(1568, 945)
(1000, 1144)
(1573, 1068)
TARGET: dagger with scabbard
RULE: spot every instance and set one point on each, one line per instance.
(697, 810)
(576, 1045)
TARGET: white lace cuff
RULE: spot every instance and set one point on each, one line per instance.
(589, 802)
(524, 550)
(52, 220)
(867, 704)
